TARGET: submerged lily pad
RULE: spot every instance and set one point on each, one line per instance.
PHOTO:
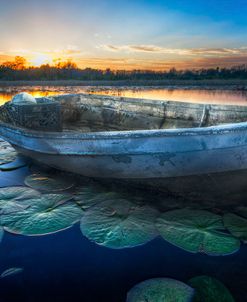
(11, 271)
(160, 290)
(197, 231)
(40, 168)
(7, 153)
(208, 289)
(50, 183)
(46, 214)
(89, 196)
(119, 224)
(236, 225)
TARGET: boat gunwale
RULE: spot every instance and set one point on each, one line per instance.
(144, 101)
(178, 132)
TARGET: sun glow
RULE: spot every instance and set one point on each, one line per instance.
(41, 59)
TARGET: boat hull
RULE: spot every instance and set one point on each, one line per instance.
(170, 160)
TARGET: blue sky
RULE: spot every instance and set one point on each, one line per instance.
(126, 34)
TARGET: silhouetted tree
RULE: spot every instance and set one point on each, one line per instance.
(18, 70)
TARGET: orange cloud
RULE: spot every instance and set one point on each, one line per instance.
(162, 58)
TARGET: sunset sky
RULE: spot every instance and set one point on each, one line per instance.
(125, 34)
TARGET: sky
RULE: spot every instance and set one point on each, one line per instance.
(137, 34)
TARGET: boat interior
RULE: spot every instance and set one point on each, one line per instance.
(90, 113)
(95, 113)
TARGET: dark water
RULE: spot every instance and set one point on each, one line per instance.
(67, 266)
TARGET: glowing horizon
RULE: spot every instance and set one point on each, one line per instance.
(156, 35)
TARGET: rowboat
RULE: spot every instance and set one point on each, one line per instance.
(177, 147)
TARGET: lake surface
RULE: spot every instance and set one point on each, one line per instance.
(70, 265)
(184, 95)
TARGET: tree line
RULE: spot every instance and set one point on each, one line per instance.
(18, 70)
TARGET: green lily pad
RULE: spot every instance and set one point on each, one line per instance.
(197, 231)
(7, 153)
(119, 224)
(208, 289)
(49, 183)
(236, 225)
(47, 214)
(21, 194)
(14, 199)
(160, 290)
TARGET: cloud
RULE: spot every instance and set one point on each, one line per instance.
(138, 48)
(145, 48)
(111, 47)
(219, 51)
(130, 63)
(71, 50)
(207, 52)
(139, 56)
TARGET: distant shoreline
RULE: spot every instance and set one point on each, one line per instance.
(172, 84)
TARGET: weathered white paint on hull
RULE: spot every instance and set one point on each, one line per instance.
(137, 154)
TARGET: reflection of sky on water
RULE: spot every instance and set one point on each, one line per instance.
(183, 95)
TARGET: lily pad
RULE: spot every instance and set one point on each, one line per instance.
(208, 289)
(19, 162)
(119, 224)
(49, 183)
(7, 153)
(1, 233)
(160, 290)
(15, 199)
(47, 214)
(197, 231)
(236, 225)
(89, 196)
(17, 194)
(11, 271)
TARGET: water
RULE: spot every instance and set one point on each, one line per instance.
(212, 96)
(67, 266)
